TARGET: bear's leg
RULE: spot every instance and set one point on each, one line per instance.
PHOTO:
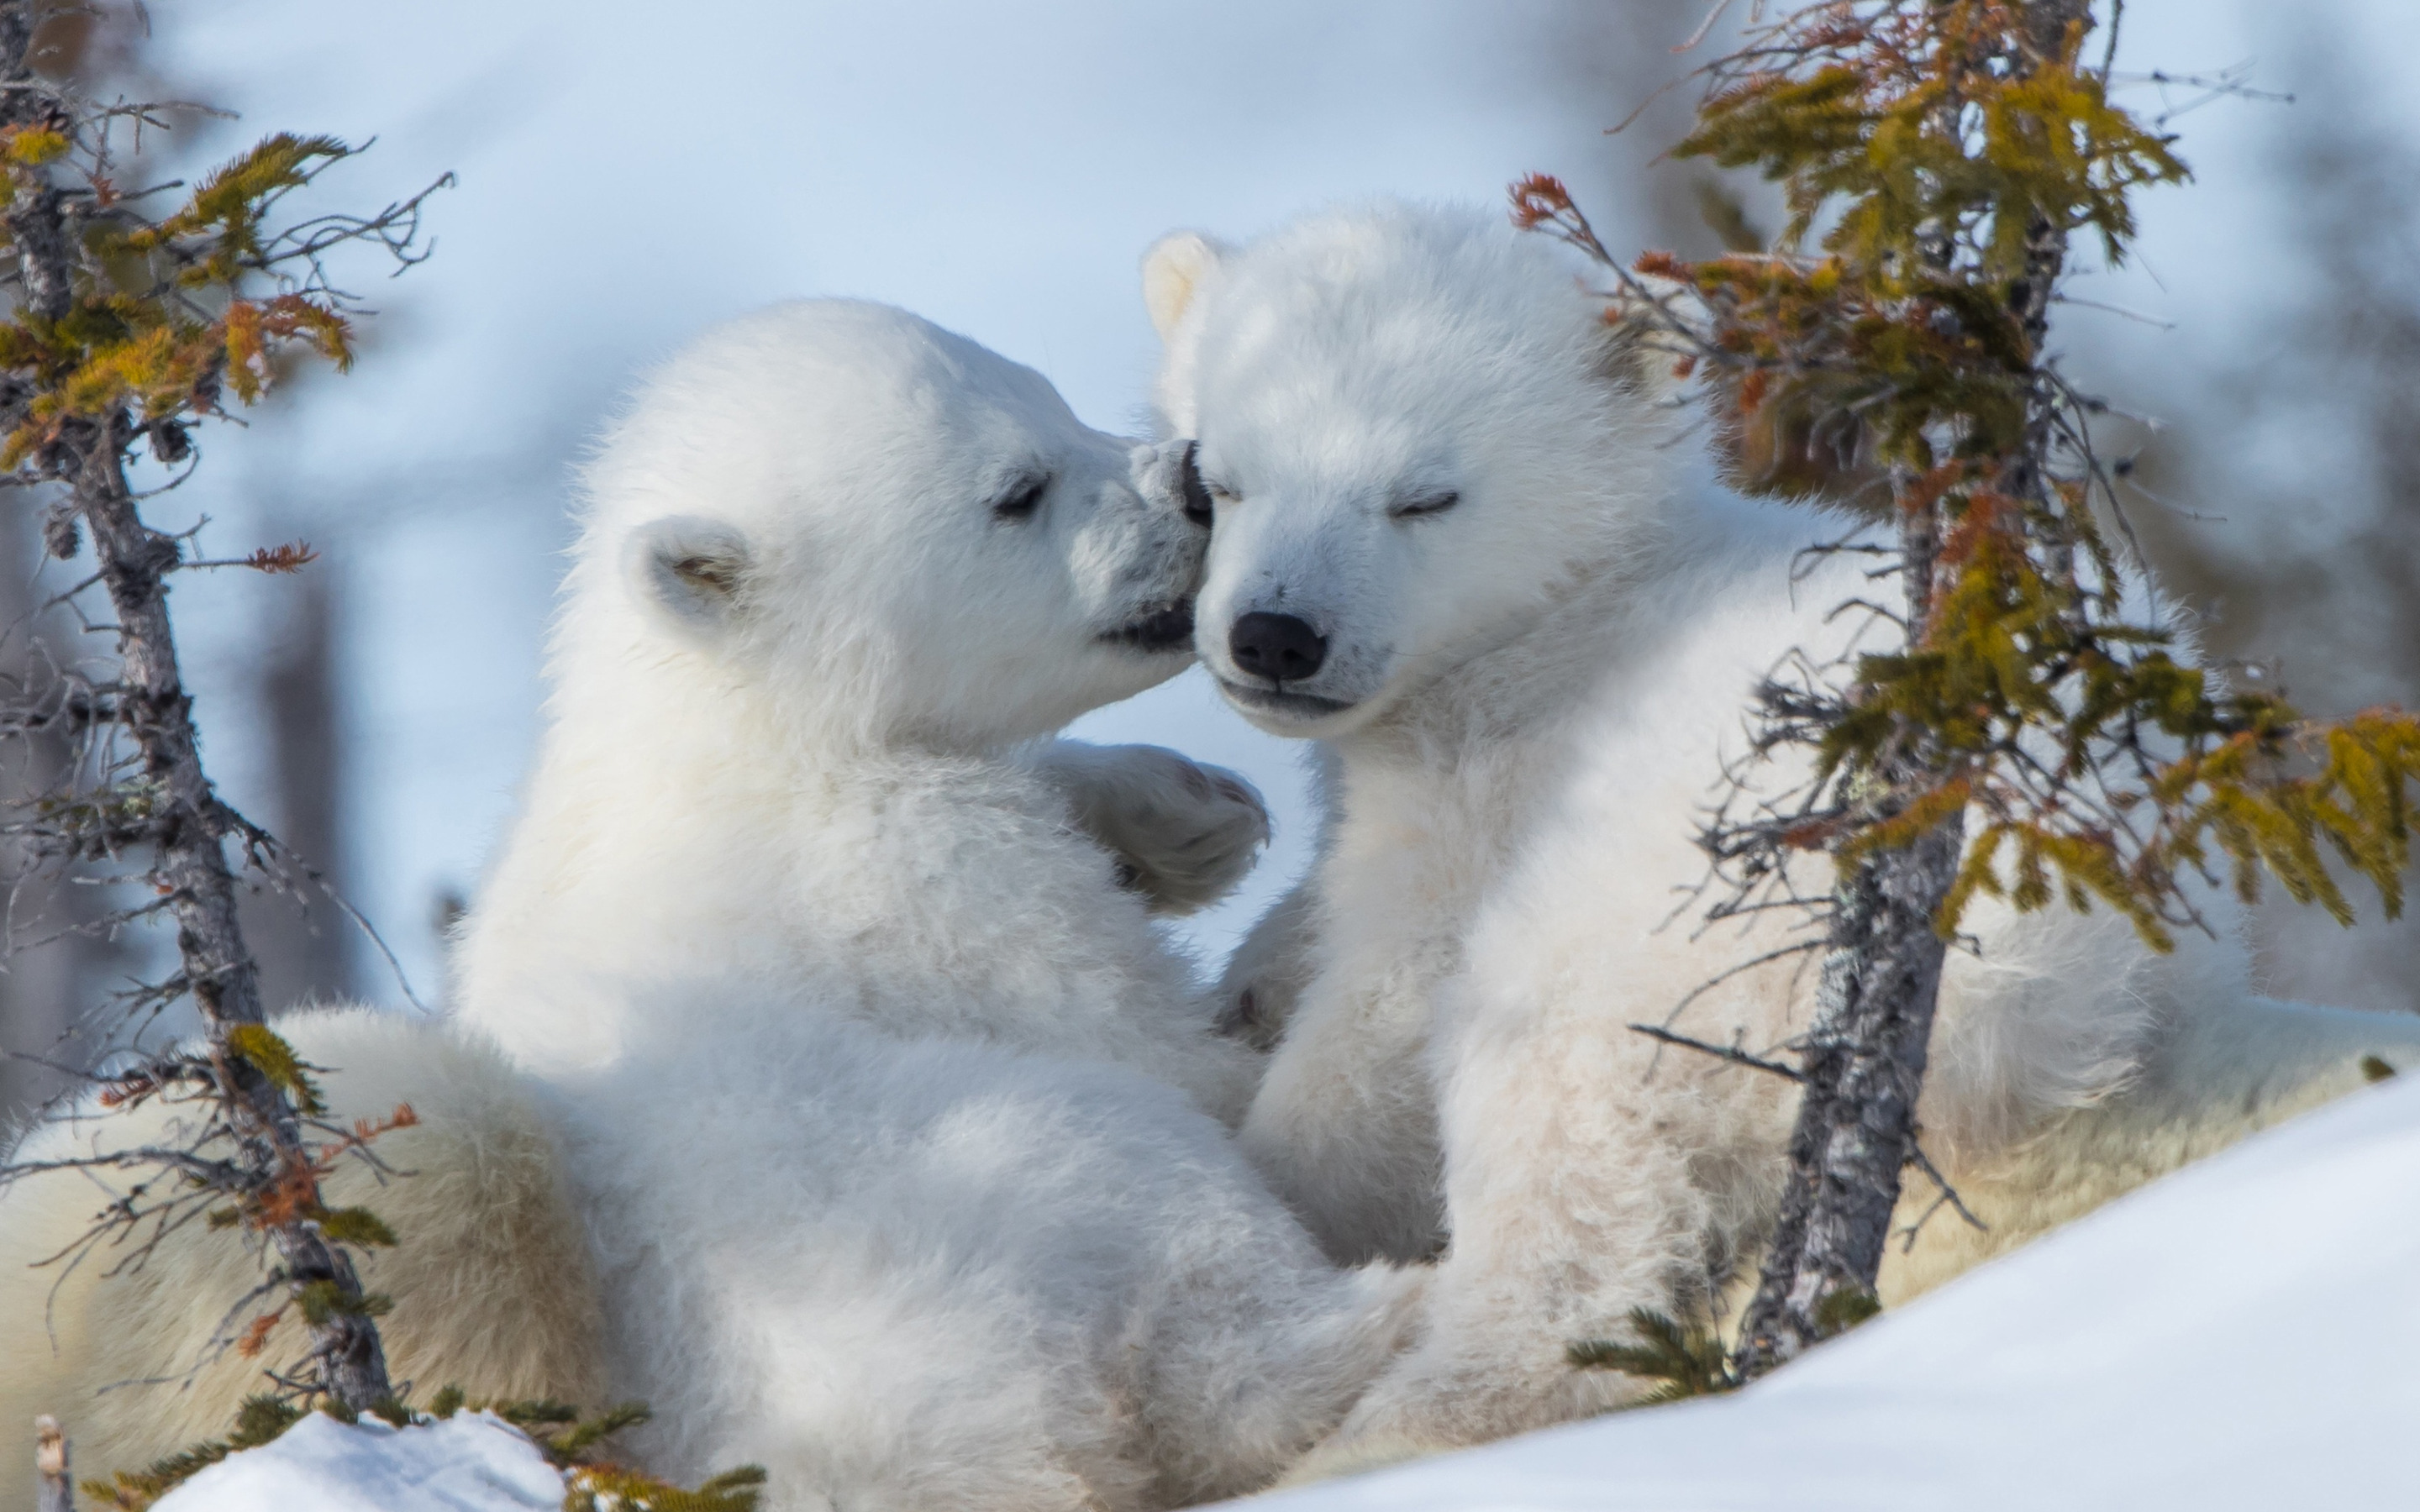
(1345, 1124)
(1184, 833)
(490, 1278)
(1265, 976)
(1261, 1349)
(1265, 980)
(1584, 1178)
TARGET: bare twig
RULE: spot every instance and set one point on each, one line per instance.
(1922, 1161)
(1730, 1052)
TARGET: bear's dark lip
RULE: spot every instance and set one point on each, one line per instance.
(1273, 701)
(1167, 629)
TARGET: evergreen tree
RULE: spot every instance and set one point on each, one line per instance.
(2033, 736)
(128, 329)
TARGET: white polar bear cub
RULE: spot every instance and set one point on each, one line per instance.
(891, 1122)
(891, 1113)
(1449, 544)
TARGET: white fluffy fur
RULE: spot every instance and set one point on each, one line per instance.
(493, 1284)
(1528, 696)
(891, 1121)
(1184, 833)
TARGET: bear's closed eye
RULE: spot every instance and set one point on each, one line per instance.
(1021, 500)
(1432, 503)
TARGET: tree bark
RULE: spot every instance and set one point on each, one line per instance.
(48, 985)
(1863, 1069)
(187, 823)
(190, 866)
(1865, 1059)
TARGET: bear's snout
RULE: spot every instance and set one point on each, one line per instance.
(1279, 647)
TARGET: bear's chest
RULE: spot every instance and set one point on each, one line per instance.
(970, 917)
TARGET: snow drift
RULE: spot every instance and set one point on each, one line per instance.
(2237, 1335)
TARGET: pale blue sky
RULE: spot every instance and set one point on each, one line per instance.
(626, 178)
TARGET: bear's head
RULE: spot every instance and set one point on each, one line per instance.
(1419, 435)
(885, 530)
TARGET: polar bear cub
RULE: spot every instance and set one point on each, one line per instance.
(1449, 546)
(979, 1239)
(888, 1123)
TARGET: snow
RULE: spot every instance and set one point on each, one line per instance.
(471, 1462)
(2238, 1335)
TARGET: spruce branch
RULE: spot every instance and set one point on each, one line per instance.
(129, 328)
(2032, 736)
(1683, 1360)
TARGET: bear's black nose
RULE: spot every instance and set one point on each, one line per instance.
(1277, 646)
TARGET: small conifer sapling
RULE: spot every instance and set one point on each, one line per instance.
(2032, 734)
(135, 314)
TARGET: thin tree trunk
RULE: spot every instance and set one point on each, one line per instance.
(1865, 1058)
(47, 986)
(298, 938)
(190, 867)
(1863, 1067)
(187, 824)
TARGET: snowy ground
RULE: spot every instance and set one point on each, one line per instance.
(471, 1462)
(2240, 1335)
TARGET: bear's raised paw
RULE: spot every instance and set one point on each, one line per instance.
(1184, 833)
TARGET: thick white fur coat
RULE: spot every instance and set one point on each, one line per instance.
(892, 1124)
(492, 1287)
(1534, 648)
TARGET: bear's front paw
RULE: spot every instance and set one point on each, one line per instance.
(1265, 978)
(1182, 834)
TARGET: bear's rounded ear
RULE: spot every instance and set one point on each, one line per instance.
(689, 567)
(1174, 272)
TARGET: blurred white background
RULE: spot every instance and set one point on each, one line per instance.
(629, 172)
